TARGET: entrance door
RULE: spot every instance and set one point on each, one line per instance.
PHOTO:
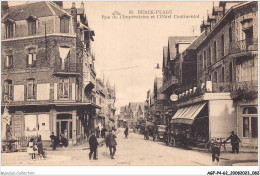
(65, 128)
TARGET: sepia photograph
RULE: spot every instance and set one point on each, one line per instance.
(130, 83)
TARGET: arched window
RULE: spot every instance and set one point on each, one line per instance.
(250, 110)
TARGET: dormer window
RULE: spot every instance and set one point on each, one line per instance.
(64, 24)
(31, 25)
(9, 29)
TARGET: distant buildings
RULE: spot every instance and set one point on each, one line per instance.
(131, 113)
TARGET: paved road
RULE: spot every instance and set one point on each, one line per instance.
(134, 151)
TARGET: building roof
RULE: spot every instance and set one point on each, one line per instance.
(173, 40)
(197, 41)
(37, 9)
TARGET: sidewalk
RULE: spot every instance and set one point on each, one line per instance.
(246, 157)
(83, 146)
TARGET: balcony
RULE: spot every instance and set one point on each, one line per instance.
(168, 84)
(241, 46)
(72, 69)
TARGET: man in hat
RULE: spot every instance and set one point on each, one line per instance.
(234, 142)
(111, 143)
(93, 143)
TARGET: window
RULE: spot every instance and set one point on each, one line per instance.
(245, 71)
(8, 90)
(222, 45)
(250, 122)
(230, 34)
(215, 51)
(245, 126)
(216, 77)
(31, 26)
(223, 74)
(64, 88)
(9, 28)
(9, 61)
(64, 24)
(31, 58)
(64, 56)
(230, 72)
(205, 60)
(209, 56)
(31, 90)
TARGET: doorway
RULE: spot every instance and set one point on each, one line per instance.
(64, 126)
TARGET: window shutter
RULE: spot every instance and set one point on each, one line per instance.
(27, 58)
(66, 25)
(34, 90)
(34, 59)
(11, 92)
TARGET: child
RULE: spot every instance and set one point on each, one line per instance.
(215, 146)
(40, 148)
(30, 148)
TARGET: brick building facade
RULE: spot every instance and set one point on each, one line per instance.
(43, 51)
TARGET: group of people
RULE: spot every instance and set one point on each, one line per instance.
(110, 142)
(215, 146)
(35, 147)
(101, 132)
(55, 141)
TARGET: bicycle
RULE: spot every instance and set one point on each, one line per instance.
(222, 144)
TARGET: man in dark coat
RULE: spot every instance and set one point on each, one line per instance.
(53, 141)
(126, 132)
(234, 142)
(111, 143)
(93, 143)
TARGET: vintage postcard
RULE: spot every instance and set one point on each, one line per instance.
(130, 83)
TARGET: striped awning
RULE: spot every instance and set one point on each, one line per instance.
(187, 114)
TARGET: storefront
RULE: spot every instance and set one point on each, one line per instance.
(210, 116)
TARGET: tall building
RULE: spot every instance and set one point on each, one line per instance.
(45, 55)
(226, 96)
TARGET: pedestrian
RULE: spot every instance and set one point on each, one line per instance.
(126, 133)
(93, 144)
(215, 146)
(40, 148)
(234, 142)
(97, 132)
(53, 141)
(111, 143)
(31, 148)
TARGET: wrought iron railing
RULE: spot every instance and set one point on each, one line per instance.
(68, 68)
(229, 87)
(243, 46)
(173, 80)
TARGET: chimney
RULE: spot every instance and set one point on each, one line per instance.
(74, 16)
(4, 8)
(59, 3)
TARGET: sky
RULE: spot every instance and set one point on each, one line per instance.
(127, 50)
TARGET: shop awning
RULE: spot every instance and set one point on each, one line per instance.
(187, 114)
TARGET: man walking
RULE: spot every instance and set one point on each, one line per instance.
(111, 143)
(126, 133)
(234, 142)
(93, 143)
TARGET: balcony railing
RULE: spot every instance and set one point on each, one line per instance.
(173, 80)
(229, 87)
(243, 46)
(68, 68)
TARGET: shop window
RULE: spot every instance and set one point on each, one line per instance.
(64, 88)
(245, 126)
(31, 89)
(8, 90)
(64, 24)
(70, 132)
(9, 61)
(254, 127)
(31, 57)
